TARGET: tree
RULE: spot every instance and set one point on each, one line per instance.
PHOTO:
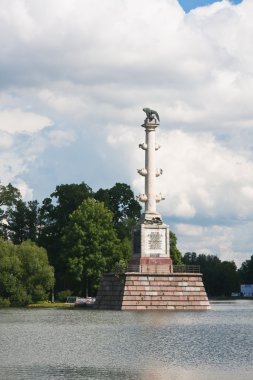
(220, 277)
(9, 196)
(230, 278)
(175, 254)
(190, 258)
(67, 197)
(126, 210)
(54, 215)
(91, 246)
(10, 270)
(23, 221)
(25, 275)
(246, 272)
(37, 274)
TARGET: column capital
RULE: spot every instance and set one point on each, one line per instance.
(150, 124)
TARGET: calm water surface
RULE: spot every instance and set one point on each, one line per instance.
(89, 344)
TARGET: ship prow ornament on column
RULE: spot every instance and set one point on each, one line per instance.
(150, 282)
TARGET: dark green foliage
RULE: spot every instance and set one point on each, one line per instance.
(91, 246)
(23, 221)
(4, 302)
(54, 215)
(246, 272)
(68, 198)
(175, 254)
(126, 210)
(220, 277)
(25, 274)
(55, 211)
(229, 277)
(9, 196)
(63, 295)
(120, 267)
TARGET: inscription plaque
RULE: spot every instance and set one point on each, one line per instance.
(155, 242)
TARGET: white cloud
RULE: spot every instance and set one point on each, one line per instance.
(60, 138)
(16, 120)
(200, 176)
(6, 141)
(62, 102)
(86, 69)
(214, 240)
(227, 242)
(210, 176)
(25, 190)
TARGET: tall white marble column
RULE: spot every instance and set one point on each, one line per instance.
(151, 235)
(150, 198)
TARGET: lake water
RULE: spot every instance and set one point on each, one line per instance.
(47, 344)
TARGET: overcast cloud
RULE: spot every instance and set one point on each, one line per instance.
(75, 76)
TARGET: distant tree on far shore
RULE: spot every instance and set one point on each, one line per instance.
(220, 277)
(246, 272)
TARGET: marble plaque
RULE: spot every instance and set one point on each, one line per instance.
(155, 242)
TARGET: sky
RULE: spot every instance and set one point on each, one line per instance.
(188, 5)
(74, 77)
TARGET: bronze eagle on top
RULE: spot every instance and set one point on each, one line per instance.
(150, 114)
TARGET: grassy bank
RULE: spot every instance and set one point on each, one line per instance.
(50, 305)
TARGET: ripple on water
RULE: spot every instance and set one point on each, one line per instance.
(89, 344)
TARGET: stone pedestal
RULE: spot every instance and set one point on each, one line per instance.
(146, 291)
(151, 247)
(151, 240)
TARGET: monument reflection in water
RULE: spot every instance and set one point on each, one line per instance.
(151, 282)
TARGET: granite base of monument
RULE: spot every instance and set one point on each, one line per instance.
(152, 291)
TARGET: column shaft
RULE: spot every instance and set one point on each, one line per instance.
(150, 206)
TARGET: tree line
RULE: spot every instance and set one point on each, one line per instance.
(81, 234)
(221, 278)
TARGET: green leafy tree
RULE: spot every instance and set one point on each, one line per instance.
(37, 274)
(25, 274)
(126, 210)
(16, 219)
(91, 246)
(9, 196)
(63, 201)
(54, 215)
(175, 254)
(10, 271)
(23, 221)
(33, 220)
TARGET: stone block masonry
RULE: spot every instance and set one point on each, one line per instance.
(142, 291)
